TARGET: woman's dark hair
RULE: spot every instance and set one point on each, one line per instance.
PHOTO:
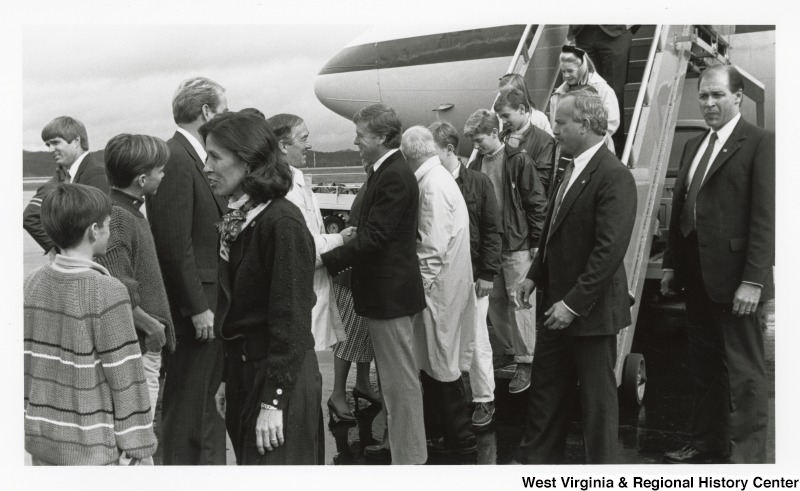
(250, 138)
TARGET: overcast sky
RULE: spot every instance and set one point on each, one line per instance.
(121, 78)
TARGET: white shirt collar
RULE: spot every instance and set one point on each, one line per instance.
(67, 264)
(235, 204)
(383, 159)
(198, 147)
(426, 166)
(581, 161)
(73, 169)
(725, 132)
(297, 176)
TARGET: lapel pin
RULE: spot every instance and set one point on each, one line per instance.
(724, 150)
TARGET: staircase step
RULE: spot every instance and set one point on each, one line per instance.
(636, 70)
(640, 48)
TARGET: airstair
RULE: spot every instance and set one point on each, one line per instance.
(661, 57)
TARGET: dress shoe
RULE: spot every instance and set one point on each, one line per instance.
(357, 394)
(439, 447)
(336, 414)
(690, 455)
(378, 453)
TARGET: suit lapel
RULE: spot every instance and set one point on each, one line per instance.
(683, 174)
(84, 163)
(577, 187)
(369, 197)
(732, 144)
(199, 164)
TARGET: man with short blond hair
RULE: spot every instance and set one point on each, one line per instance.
(182, 216)
(387, 284)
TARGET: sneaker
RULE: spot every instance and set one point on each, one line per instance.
(483, 414)
(521, 380)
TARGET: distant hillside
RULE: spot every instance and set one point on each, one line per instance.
(40, 164)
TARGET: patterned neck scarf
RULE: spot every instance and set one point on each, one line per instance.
(231, 225)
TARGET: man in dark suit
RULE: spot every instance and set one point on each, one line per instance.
(721, 249)
(585, 301)
(182, 216)
(386, 280)
(66, 139)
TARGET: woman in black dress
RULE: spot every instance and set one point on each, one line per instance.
(271, 390)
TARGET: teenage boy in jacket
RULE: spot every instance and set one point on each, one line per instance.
(523, 204)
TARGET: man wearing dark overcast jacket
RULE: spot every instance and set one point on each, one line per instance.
(581, 272)
(386, 281)
(182, 216)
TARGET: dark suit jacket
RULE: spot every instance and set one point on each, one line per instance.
(386, 280)
(182, 215)
(270, 274)
(582, 263)
(735, 214)
(92, 172)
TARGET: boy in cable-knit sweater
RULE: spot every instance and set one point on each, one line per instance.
(135, 166)
(86, 398)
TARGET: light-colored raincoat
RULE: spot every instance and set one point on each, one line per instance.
(445, 330)
(326, 323)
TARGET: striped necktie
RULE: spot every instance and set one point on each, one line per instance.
(687, 223)
(562, 190)
(62, 174)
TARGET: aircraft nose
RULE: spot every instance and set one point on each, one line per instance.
(349, 81)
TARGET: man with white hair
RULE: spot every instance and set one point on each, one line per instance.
(445, 329)
(182, 216)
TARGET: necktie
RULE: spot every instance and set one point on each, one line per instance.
(687, 222)
(62, 174)
(562, 190)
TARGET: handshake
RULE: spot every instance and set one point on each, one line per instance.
(348, 234)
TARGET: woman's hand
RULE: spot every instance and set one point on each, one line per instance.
(269, 430)
(219, 400)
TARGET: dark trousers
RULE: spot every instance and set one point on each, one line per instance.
(559, 363)
(193, 433)
(610, 57)
(727, 359)
(303, 428)
(444, 406)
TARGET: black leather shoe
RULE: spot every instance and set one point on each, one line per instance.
(439, 447)
(690, 455)
(378, 453)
